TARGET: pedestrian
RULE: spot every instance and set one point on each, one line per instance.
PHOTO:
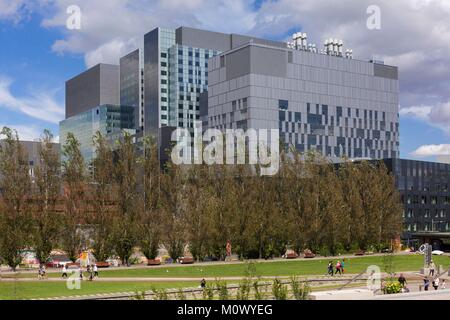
(436, 283)
(342, 266)
(80, 271)
(443, 284)
(203, 284)
(40, 272)
(91, 273)
(330, 268)
(64, 271)
(338, 267)
(426, 283)
(402, 280)
(95, 270)
(43, 274)
(432, 268)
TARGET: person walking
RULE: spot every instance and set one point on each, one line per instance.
(338, 267)
(426, 283)
(80, 271)
(432, 268)
(40, 272)
(342, 266)
(64, 271)
(95, 270)
(443, 284)
(91, 273)
(436, 283)
(330, 268)
(43, 274)
(402, 280)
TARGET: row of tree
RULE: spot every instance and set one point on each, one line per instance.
(125, 200)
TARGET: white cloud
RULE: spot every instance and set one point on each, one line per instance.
(437, 115)
(432, 150)
(414, 35)
(11, 9)
(39, 104)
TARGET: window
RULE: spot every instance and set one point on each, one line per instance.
(163, 55)
(222, 61)
(283, 104)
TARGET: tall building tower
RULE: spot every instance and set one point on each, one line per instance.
(176, 72)
(132, 85)
(96, 86)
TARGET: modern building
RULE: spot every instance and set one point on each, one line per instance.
(109, 120)
(33, 151)
(96, 86)
(320, 101)
(425, 193)
(176, 72)
(132, 85)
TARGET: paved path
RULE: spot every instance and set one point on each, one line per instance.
(6, 271)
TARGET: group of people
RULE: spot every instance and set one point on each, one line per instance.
(436, 283)
(339, 267)
(91, 269)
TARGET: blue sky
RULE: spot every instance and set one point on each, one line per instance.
(38, 53)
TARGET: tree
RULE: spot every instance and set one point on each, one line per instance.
(46, 220)
(15, 189)
(125, 235)
(74, 180)
(173, 211)
(149, 226)
(104, 193)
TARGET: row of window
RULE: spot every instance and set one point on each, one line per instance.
(428, 226)
(427, 213)
(416, 199)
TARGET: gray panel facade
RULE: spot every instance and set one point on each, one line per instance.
(334, 105)
(97, 85)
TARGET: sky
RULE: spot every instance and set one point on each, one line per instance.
(38, 53)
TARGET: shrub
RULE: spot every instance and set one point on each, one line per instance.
(392, 287)
(259, 295)
(223, 290)
(300, 290)
(279, 290)
(160, 294)
(208, 292)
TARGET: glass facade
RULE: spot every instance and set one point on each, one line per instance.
(188, 80)
(131, 85)
(109, 120)
(156, 78)
(425, 194)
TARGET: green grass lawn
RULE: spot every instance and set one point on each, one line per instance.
(32, 290)
(300, 267)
